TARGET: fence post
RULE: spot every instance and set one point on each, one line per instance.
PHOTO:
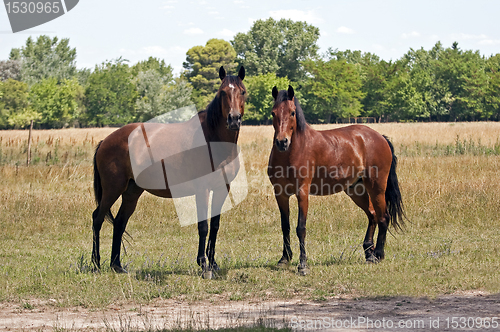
(29, 145)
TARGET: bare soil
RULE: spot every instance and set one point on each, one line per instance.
(343, 314)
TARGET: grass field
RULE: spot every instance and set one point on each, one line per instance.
(449, 176)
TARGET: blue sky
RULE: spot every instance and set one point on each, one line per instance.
(102, 30)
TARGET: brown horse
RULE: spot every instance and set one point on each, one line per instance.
(354, 159)
(114, 174)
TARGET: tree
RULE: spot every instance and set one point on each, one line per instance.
(15, 108)
(160, 94)
(56, 103)
(10, 69)
(110, 95)
(492, 97)
(336, 87)
(45, 58)
(153, 63)
(464, 75)
(277, 47)
(260, 100)
(202, 68)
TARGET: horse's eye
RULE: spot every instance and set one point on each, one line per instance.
(243, 92)
(293, 114)
(273, 114)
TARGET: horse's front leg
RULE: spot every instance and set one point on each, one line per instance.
(303, 202)
(218, 199)
(202, 211)
(284, 206)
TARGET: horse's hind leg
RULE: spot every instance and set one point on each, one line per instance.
(377, 197)
(360, 196)
(129, 203)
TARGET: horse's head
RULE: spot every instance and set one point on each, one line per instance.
(284, 117)
(232, 96)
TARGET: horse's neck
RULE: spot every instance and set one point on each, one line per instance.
(223, 134)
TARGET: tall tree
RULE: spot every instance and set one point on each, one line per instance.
(492, 97)
(10, 69)
(160, 94)
(260, 101)
(57, 103)
(277, 47)
(46, 57)
(15, 108)
(202, 68)
(336, 87)
(153, 63)
(110, 95)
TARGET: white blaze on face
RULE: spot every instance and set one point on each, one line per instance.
(231, 86)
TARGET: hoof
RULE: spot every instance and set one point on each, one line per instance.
(207, 274)
(214, 267)
(118, 269)
(303, 270)
(372, 260)
(283, 264)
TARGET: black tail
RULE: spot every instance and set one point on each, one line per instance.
(395, 207)
(98, 186)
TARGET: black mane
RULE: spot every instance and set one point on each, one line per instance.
(214, 109)
(301, 120)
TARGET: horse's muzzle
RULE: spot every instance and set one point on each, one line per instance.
(234, 122)
(282, 145)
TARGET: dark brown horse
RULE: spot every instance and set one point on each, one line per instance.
(114, 174)
(354, 159)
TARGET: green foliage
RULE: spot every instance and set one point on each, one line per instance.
(156, 64)
(56, 103)
(45, 58)
(10, 69)
(110, 95)
(260, 101)
(202, 68)
(160, 94)
(336, 87)
(15, 108)
(276, 47)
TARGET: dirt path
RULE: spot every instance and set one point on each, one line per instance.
(381, 314)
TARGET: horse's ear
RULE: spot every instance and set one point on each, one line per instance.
(241, 73)
(275, 92)
(222, 73)
(290, 92)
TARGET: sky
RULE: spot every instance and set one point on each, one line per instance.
(105, 30)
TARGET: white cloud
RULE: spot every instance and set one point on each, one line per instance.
(238, 1)
(213, 12)
(168, 7)
(412, 34)
(345, 30)
(226, 33)
(297, 15)
(193, 31)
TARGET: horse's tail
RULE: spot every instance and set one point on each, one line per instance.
(395, 207)
(98, 186)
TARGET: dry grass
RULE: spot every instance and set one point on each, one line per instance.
(450, 246)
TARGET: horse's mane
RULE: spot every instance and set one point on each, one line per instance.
(214, 109)
(301, 120)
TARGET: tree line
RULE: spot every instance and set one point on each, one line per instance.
(40, 81)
